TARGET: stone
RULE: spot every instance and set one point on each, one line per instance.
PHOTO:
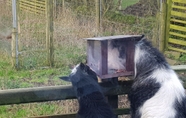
(171, 61)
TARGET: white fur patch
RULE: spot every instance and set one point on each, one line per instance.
(74, 70)
(161, 105)
(138, 54)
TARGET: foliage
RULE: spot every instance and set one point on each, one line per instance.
(183, 58)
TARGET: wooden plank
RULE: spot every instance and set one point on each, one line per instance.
(176, 49)
(121, 74)
(13, 47)
(179, 1)
(179, 67)
(162, 26)
(169, 4)
(33, 7)
(25, 7)
(176, 27)
(178, 21)
(32, 4)
(130, 50)
(31, 10)
(113, 99)
(73, 115)
(40, 2)
(104, 57)
(176, 41)
(42, 7)
(124, 37)
(178, 7)
(51, 93)
(35, 1)
(177, 34)
(98, 17)
(179, 14)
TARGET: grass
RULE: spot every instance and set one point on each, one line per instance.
(126, 3)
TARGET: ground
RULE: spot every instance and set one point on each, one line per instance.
(142, 8)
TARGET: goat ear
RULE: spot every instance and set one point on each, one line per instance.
(65, 78)
(87, 68)
(82, 66)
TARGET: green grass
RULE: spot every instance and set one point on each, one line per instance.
(126, 3)
(32, 77)
(28, 110)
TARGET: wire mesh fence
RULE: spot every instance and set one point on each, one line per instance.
(75, 20)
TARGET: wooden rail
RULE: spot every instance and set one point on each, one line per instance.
(179, 68)
(73, 115)
(50, 93)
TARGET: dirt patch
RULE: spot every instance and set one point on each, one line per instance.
(142, 8)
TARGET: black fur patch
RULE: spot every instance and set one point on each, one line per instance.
(87, 89)
(90, 97)
(180, 108)
(151, 60)
(145, 87)
(94, 106)
(140, 94)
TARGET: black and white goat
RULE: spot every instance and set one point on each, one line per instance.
(157, 91)
(92, 103)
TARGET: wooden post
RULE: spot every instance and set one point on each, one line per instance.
(63, 6)
(98, 17)
(167, 20)
(14, 45)
(112, 99)
(120, 4)
(85, 2)
(162, 30)
(13, 49)
(55, 11)
(49, 32)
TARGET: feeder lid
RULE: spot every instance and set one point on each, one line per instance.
(113, 37)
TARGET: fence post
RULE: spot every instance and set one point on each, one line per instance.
(14, 45)
(162, 31)
(49, 32)
(98, 17)
(63, 6)
(120, 4)
(167, 20)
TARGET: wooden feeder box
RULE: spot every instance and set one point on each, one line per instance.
(97, 54)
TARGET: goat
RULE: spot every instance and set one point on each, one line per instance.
(157, 91)
(92, 103)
